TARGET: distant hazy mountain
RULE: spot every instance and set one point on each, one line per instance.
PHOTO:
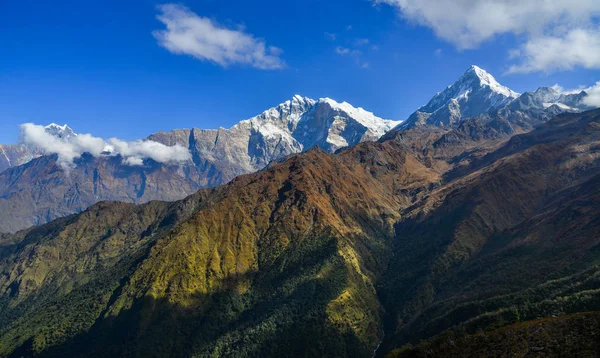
(546, 97)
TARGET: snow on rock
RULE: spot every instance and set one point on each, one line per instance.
(63, 132)
(291, 127)
(475, 92)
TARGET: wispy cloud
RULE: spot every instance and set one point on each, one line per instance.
(330, 36)
(361, 42)
(553, 32)
(70, 148)
(357, 55)
(344, 51)
(204, 39)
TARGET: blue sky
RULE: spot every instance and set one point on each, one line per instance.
(100, 66)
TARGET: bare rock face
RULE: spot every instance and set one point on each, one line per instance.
(14, 155)
(42, 190)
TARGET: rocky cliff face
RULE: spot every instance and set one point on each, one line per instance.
(14, 155)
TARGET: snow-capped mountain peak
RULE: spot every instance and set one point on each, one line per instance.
(287, 116)
(546, 97)
(486, 79)
(475, 92)
(62, 132)
(378, 125)
(299, 124)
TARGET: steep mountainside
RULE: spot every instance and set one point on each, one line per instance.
(321, 254)
(14, 155)
(41, 190)
(486, 247)
(238, 270)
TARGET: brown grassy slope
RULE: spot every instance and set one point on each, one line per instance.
(498, 229)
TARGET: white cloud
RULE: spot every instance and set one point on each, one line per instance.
(70, 148)
(204, 39)
(538, 23)
(135, 152)
(343, 51)
(593, 97)
(356, 55)
(330, 36)
(34, 135)
(577, 48)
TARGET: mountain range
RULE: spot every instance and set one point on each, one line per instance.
(475, 239)
(470, 229)
(35, 188)
(40, 189)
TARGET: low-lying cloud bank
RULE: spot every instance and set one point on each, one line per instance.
(70, 148)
